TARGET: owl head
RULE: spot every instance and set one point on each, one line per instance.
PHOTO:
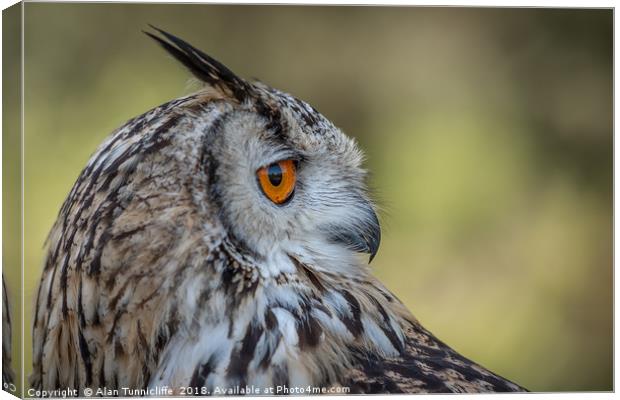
(282, 179)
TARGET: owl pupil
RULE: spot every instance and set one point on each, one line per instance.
(275, 174)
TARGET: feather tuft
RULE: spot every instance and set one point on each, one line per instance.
(201, 65)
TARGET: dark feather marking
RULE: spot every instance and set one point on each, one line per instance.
(204, 297)
(227, 276)
(280, 375)
(161, 340)
(36, 304)
(142, 342)
(76, 376)
(145, 350)
(288, 307)
(44, 340)
(82, 317)
(318, 306)
(96, 320)
(308, 329)
(271, 322)
(309, 332)
(112, 167)
(76, 193)
(90, 238)
(140, 121)
(206, 157)
(309, 118)
(231, 327)
(239, 360)
(117, 317)
(147, 145)
(114, 300)
(85, 353)
(235, 283)
(275, 123)
(36, 308)
(274, 342)
(51, 261)
(201, 373)
(63, 285)
(95, 265)
(273, 336)
(354, 323)
(49, 293)
(119, 351)
(146, 374)
(386, 327)
(102, 380)
(164, 334)
(123, 235)
(86, 202)
(308, 273)
(109, 177)
(151, 296)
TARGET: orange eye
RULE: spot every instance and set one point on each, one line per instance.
(278, 180)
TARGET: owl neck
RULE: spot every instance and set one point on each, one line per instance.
(302, 326)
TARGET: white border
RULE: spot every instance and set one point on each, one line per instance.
(501, 3)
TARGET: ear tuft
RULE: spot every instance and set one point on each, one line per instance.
(202, 66)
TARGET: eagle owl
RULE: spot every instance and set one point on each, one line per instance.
(218, 241)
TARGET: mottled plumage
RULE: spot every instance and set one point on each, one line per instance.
(8, 375)
(169, 266)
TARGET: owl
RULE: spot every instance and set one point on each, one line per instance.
(220, 244)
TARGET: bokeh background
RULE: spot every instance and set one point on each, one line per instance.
(488, 133)
(11, 184)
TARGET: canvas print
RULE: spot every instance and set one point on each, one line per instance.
(267, 200)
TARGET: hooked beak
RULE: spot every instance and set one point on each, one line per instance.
(363, 237)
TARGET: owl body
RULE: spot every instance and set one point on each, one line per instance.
(172, 265)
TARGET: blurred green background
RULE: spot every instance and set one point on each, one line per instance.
(488, 134)
(11, 185)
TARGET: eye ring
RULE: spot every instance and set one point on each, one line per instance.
(277, 181)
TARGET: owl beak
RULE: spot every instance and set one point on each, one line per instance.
(364, 237)
(372, 238)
